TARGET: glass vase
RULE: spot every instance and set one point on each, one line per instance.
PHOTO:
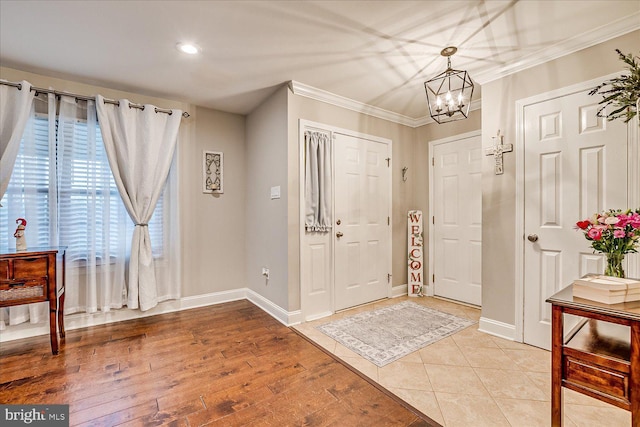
(614, 265)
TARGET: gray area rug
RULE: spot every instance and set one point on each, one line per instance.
(390, 333)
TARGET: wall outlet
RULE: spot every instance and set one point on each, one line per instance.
(265, 272)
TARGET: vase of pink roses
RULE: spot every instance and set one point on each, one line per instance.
(614, 233)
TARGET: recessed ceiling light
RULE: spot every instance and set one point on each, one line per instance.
(189, 48)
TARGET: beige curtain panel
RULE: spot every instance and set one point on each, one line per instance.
(317, 181)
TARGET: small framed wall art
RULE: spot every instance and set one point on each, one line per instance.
(212, 172)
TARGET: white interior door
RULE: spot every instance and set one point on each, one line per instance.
(457, 220)
(361, 230)
(575, 164)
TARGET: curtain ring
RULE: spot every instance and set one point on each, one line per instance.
(157, 110)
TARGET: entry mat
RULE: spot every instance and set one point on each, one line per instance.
(390, 333)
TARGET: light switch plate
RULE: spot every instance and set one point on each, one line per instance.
(275, 192)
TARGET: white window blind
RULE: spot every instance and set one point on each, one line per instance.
(29, 189)
(30, 186)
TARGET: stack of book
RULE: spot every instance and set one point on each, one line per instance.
(607, 289)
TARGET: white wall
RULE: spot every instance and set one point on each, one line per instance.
(266, 230)
(213, 245)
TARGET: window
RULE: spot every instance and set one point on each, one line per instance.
(63, 186)
(28, 192)
(69, 184)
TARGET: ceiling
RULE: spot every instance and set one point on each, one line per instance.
(377, 53)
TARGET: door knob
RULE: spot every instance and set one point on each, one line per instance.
(532, 237)
(339, 234)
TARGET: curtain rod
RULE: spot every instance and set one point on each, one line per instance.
(87, 98)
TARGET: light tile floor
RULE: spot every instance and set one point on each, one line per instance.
(472, 378)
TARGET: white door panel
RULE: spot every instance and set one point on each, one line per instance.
(575, 164)
(457, 223)
(362, 201)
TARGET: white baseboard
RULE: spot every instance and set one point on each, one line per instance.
(83, 320)
(212, 298)
(287, 318)
(498, 329)
(399, 291)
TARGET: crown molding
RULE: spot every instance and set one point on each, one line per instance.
(350, 104)
(597, 35)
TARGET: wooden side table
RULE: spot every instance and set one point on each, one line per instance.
(600, 357)
(35, 275)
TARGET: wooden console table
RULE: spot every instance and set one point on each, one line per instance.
(600, 357)
(35, 275)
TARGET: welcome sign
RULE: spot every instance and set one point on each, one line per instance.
(416, 254)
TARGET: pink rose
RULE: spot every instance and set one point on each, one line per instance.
(595, 233)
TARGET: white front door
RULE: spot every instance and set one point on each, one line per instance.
(575, 165)
(361, 230)
(457, 220)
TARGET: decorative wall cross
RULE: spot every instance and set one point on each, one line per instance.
(497, 151)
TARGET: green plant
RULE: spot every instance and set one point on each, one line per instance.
(620, 93)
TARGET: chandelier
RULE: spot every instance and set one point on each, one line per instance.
(449, 93)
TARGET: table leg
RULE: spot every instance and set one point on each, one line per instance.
(63, 293)
(61, 315)
(634, 374)
(53, 331)
(556, 365)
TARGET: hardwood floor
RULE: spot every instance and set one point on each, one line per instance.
(224, 365)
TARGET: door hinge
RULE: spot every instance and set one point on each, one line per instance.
(388, 277)
(388, 159)
(433, 219)
(433, 278)
(433, 161)
(388, 220)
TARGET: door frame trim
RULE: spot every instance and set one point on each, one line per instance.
(431, 147)
(304, 125)
(632, 188)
